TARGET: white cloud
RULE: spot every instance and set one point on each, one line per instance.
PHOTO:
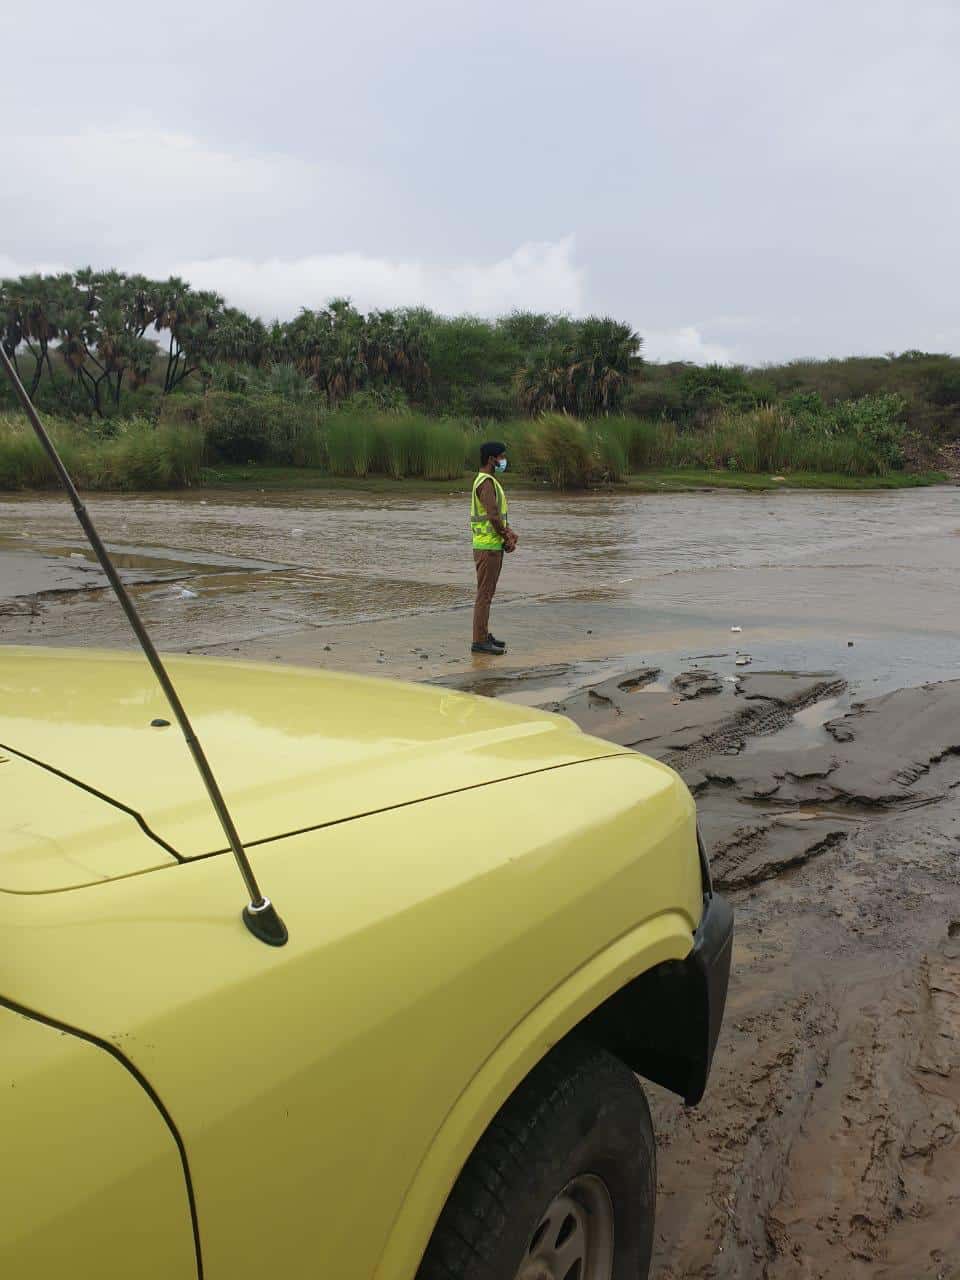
(536, 277)
(10, 268)
(801, 176)
(171, 203)
(684, 344)
(109, 196)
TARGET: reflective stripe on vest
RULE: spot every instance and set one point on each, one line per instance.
(485, 537)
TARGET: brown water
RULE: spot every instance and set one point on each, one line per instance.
(598, 580)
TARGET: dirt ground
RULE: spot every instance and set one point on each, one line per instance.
(821, 738)
(829, 1142)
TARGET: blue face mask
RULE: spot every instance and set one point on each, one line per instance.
(502, 464)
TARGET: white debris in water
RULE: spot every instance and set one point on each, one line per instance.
(186, 594)
(77, 555)
(297, 533)
(737, 629)
(744, 662)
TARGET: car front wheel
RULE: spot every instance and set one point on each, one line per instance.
(562, 1186)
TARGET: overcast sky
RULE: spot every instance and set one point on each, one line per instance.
(749, 180)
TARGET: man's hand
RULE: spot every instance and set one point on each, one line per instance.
(510, 541)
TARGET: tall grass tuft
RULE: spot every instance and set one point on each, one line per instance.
(519, 435)
(561, 447)
(611, 447)
(23, 464)
(137, 456)
(349, 443)
(442, 451)
(401, 445)
(142, 456)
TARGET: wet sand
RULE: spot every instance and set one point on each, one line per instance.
(822, 741)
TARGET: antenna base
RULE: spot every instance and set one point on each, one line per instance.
(264, 923)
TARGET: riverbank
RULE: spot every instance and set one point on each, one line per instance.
(291, 479)
(219, 440)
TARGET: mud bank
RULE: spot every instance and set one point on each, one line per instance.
(774, 806)
(829, 1142)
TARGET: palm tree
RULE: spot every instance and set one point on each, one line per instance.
(544, 384)
(583, 372)
(241, 339)
(191, 319)
(11, 329)
(606, 351)
(33, 307)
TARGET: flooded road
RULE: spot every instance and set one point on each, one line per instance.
(821, 738)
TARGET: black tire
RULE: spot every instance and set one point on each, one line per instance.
(580, 1112)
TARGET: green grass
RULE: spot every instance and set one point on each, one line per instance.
(279, 478)
(689, 478)
(275, 479)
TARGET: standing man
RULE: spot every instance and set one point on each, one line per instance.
(492, 536)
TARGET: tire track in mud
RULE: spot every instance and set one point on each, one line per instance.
(760, 718)
(741, 864)
(828, 1144)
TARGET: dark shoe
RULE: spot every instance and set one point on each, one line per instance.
(501, 644)
(495, 650)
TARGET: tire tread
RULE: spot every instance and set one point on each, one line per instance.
(477, 1209)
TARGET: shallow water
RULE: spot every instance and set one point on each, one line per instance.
(597, 580)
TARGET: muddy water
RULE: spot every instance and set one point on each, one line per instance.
(596, 579)
(829, 1141)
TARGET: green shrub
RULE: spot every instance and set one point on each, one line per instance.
(238, 378)
(876, 421)
(142, 456)
(646, 443)
(490, 402)
(804, 405)
(259, 428)
(655, 396)
(286, 381)
(235, 427)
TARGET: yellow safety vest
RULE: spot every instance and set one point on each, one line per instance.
(485, 537)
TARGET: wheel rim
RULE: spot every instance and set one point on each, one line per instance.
(574, 1237)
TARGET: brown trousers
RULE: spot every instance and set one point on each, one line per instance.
(489, 564)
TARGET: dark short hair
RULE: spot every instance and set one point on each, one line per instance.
(492, 449)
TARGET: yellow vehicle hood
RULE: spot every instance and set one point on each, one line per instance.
(90, 789)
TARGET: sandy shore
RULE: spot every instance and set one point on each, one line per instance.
(822, 740)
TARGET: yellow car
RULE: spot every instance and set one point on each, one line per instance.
(494, 922)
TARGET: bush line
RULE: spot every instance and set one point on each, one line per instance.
(860, 438)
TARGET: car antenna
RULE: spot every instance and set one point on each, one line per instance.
(260, 915)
